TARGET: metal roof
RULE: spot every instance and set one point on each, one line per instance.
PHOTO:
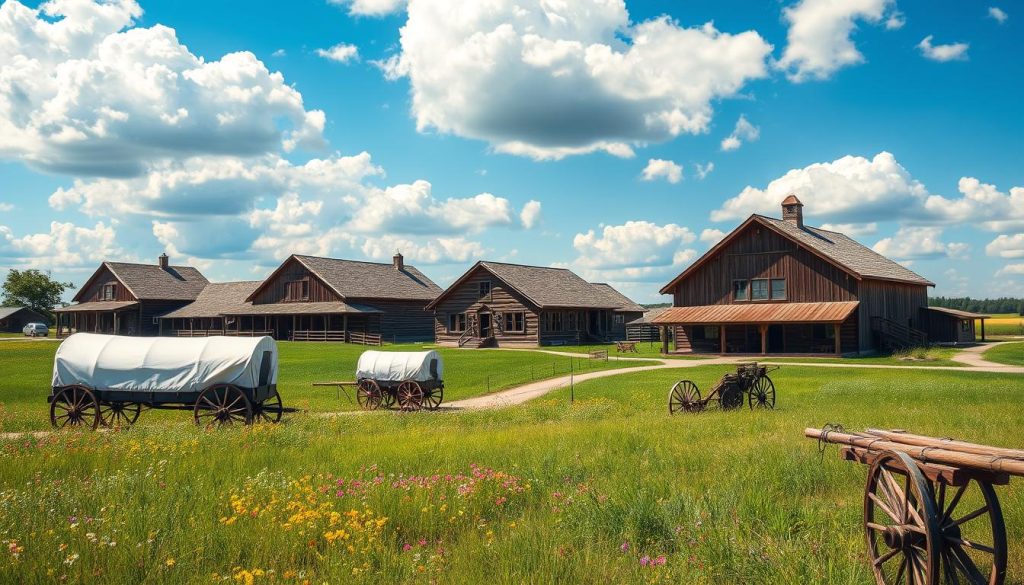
(959, 313)
(96, 306)
(758, 313)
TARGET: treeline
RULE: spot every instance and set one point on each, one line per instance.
(1000, 305)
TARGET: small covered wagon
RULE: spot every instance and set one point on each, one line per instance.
(413, 380)
(107, 379)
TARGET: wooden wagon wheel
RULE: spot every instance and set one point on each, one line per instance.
(410, 395)
(368, 394)
(268, 411)
(222, 404)
(762, 393)
(972, 547)
(685, 397)
(388, 398)
(119, 414)
(901, 522)
(432, 398)
(730, 396)
(75, 406)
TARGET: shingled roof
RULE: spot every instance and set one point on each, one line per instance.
(217, 299)
(548, 287)
(625, 304)
(839, 249)
(354, 279)
(151, 282)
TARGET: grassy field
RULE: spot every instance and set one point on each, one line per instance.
(27, 369)
(1002, 325)
(1006, 353)
(646, 349)
(609, 489)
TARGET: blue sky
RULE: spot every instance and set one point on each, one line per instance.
(521, 131)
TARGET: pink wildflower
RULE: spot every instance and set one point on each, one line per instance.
(407, 547)
(645, 561)
(661, 560)
(625, 546)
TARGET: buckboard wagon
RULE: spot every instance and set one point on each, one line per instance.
(750, 381)
(931, 513)
(411, 379)
(108, 379)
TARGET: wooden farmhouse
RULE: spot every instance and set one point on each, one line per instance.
(777, 286)
(509, 305)
(308, 298)
(128, 299)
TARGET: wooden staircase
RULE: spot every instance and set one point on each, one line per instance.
(478, 342)
(893, 335)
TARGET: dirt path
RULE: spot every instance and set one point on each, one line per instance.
(972, 357)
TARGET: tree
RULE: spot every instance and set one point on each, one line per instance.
(34, 289)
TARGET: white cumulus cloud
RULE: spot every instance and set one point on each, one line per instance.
(551, 79)
(370, 7)
(819, 37)
(948, 52)
(662, 169)
(998, 14)
(1006, 246)
(66, 246)
(914, 243)
(342, 53)
(704, 170)
(634, 250)
(530, 215)
(743, 132)
(84, 92)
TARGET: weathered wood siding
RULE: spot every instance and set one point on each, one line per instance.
(502, 299)
(275, 289)
(762, 253)
(402, 320)
(945, 327)
(896, 301)
(94, 292)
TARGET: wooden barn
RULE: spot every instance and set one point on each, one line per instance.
(509, 305)
(643, 328)
(14, 319)
(777, 286)
(128, 299)
(309, 298)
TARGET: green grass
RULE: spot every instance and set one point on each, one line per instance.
(1011, 354)
(27, 369)
(930, 356)
(645, 349)
(726, 497)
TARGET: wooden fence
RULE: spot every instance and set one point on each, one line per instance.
(352, 336)
(228, 333)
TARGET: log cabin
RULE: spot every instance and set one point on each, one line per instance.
(495, 304)
(124, 298)
(778, 286)
(310, 298)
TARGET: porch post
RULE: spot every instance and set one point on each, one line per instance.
(344, 327)
(293, 326)
(764, 339)
(160, 327)
(983, 330)
(721, 338)
(664, 340)
(116, 330)
(836, 327)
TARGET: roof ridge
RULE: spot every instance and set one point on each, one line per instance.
(527, 266)
(349, 260)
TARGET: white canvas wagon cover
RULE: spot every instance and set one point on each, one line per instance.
(161, 364)
(397, 366)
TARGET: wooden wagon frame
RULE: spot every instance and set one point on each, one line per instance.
(420, 387)
(750, 380)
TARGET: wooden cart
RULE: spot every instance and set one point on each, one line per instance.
(931, 514)
(106, 380)
(412, 380)
(750, 381)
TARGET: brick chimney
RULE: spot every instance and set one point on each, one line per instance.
(163, 260)
(793, 211)
(398, 261)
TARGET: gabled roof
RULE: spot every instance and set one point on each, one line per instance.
(150, 282)
(216, 299)
(353, 279)
(544, 287)
(833, 247)
(6, 312)
(625, 304)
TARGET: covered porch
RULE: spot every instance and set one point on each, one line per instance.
(111, 317)
(762, 329)
(327, 321)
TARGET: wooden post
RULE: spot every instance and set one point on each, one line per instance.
(160, 327)
(721, 338)
(114, 313)
(764, 339)
(664, 340)
(294, 320)
(983, 330)
(344, 327)
(836, 327)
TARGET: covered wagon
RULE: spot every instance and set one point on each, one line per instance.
(413, 380)
(107, 380)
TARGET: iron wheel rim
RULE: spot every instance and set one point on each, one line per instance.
(74, 406)
(684, 397)
(368, 395)
(222, 405)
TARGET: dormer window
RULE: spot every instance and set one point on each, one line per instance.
(485, 288)
(109, 292)
(297, 290)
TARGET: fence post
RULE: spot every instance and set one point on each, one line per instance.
(572, 387)
(488, 383)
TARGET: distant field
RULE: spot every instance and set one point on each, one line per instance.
(610, 489)
(27, 369)
(1006, 353)
(1002, 324)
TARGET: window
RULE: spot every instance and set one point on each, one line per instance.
(515, 322)
(618, 319)
(573, 316)
(485, 288)
(965, 326)
(457, 322)
(778, 289)
(711, 332)
(823, 332)
(297, 290)
(109, 292)
(554, 321)
(759, 289)
(741, 290)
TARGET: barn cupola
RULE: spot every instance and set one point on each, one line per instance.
(793, 211)
(398, 261)
(163, 260)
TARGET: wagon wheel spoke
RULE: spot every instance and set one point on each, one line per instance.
(884, 507)
(965, 564)
(212, 406)
(947, 568)
(882, 559)
(972, 545)
(902, 569)
(964, 519)
(956, 500)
